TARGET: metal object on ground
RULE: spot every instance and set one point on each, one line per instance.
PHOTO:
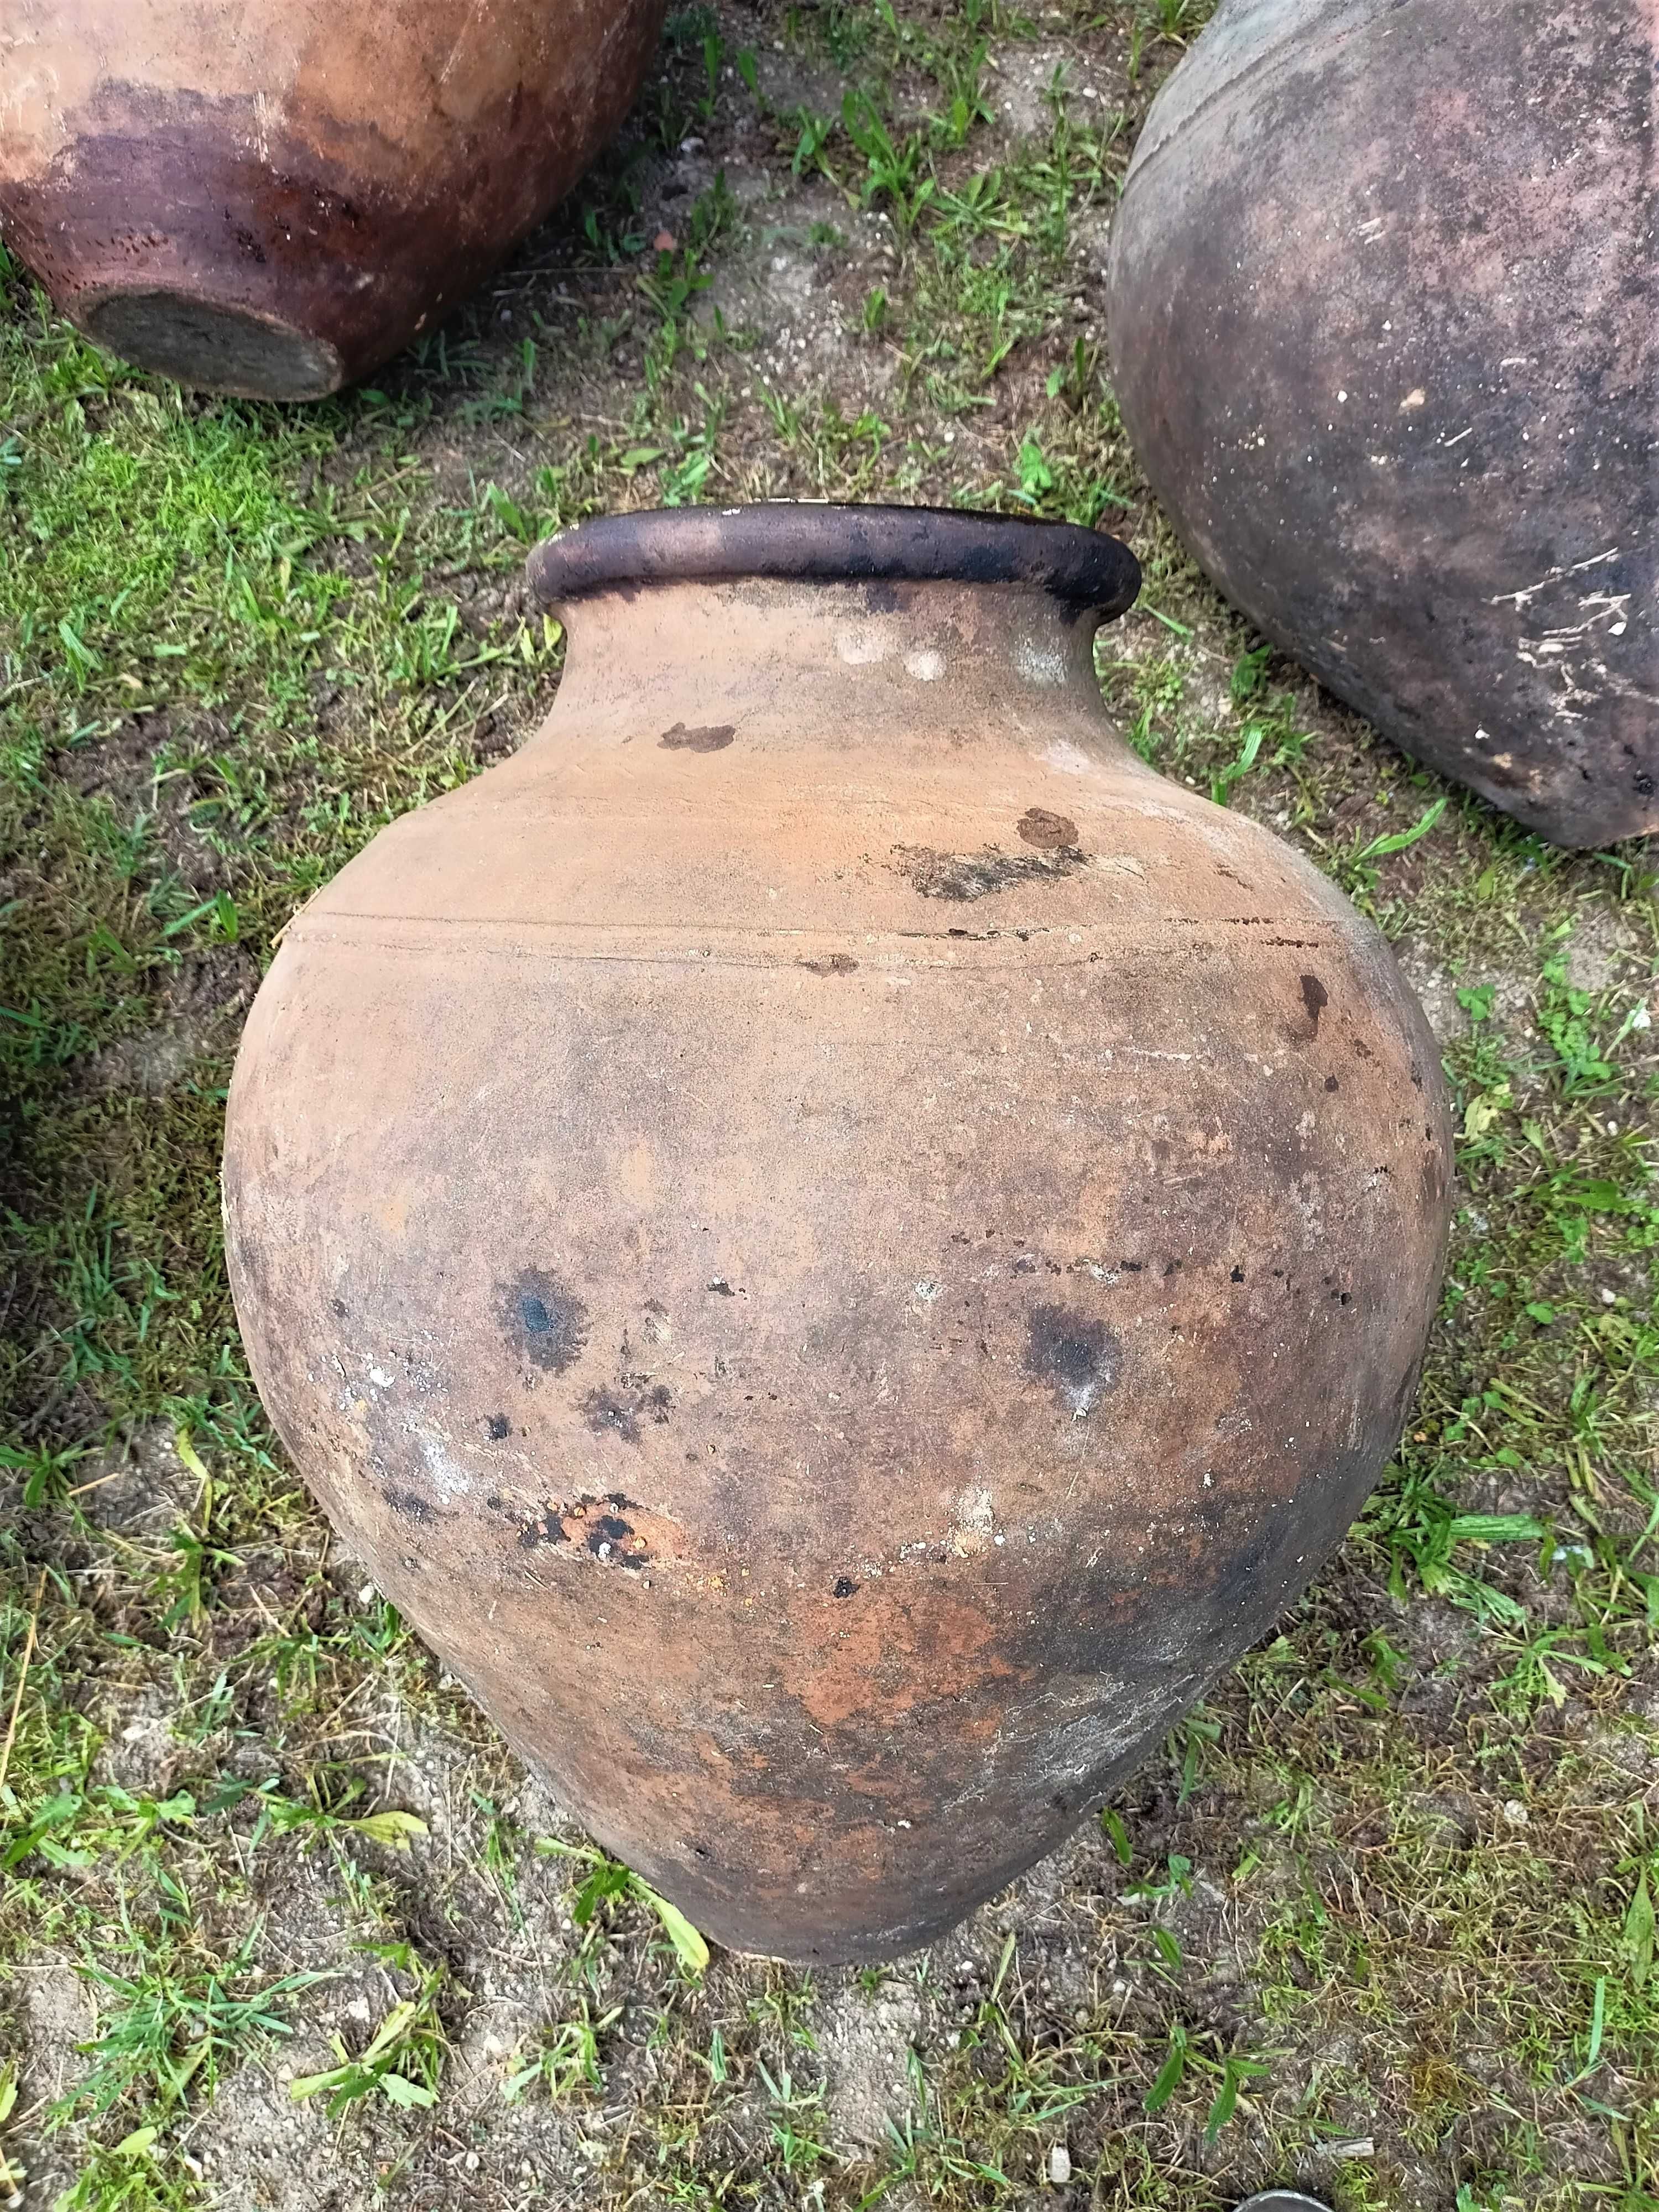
(270, 197)
(840, 1246)
(1282, 2200)
(1384, 321)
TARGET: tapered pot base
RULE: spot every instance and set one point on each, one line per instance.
(229, 349)
(271, 199)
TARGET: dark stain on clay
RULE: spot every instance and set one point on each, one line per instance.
(1049, 833)
(620, 1412)
(546, 1322)
(712, 737)
(838, 963)
(1080, 1358)
(978, 875)
(1316, 998)
(598, 1526)
(544, 1528)
(409, 1505)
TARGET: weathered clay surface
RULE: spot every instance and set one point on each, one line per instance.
(272, 200)
(841, 1246)
(1385, 325)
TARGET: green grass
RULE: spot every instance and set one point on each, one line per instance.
(1381, 1915)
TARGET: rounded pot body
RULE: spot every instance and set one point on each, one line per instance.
(839, 1245)
(270, 197)
(1384, 317)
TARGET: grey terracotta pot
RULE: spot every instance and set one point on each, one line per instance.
(1384, 324)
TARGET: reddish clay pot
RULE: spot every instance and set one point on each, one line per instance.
(1384, 318)
(839, 1246)
(270, 197)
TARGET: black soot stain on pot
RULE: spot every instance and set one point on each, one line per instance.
(977, 875)
(546, 1322)
(1316, 998)
(712, 737)
(610, 1413)
(605, 1529)
(546, 1527)
(592, 1524)
(409, 1504)
(1080, 1358)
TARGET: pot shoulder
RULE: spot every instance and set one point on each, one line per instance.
(984, 842)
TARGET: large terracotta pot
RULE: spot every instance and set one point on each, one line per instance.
(838, 1245)
(1384, 319)
(270, 197)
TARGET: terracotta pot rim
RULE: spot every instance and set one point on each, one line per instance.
(805, 541)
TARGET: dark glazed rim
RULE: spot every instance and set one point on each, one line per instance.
(801, 541)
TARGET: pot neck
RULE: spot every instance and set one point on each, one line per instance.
(791, 661)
